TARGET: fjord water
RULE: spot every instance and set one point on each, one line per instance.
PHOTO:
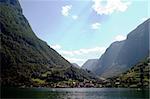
(76, 93)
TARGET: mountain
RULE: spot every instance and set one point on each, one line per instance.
(89, 64)
(25, 59)
(137, 76)
(75, 65)
(122, 55)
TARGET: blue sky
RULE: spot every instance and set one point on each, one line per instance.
(83, 29)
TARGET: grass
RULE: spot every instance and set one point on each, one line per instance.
(38, 81)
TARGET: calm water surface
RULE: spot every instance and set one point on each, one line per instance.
(75, 93)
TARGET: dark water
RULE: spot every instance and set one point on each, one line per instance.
(75, 93)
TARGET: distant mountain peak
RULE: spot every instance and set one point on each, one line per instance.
(76, 65)
(90, 64)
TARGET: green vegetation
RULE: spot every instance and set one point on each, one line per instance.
(25, 59)
(38, 81)
(137, 76)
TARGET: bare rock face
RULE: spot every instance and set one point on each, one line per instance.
(90, 64)
(121, 56)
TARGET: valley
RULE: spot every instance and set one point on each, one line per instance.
(27, 61)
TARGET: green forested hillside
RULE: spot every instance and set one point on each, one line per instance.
(137, 76)
(25, 59)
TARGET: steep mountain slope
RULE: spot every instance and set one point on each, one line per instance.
(24, 57)
(121, 56)
(75, 65)
(137, 76)
(89, 64)
(110, 55)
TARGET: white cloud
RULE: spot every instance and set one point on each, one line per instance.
(81, 55)
(79, 61)
(110, 6)
(119, 38)
(75, 60)
(66, 9)
(66, 12)
(78, 52)
(75, 17)
(83, 51)
(68, 53)
(144, 18)
(95, 25)
(56, 47)
(95, 49)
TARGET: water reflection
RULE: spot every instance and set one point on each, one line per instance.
(76, 93)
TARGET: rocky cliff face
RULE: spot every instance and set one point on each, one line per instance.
(24, 56)
(120, 56)
(90, 64)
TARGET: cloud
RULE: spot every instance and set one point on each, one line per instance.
(75, 17)
(79, 61)
(75, 60)
(83, 51)
(56, 47)
(95, 49)
(81, 55)
(95, 26)
(65, 12)
(119, 38)
(110, 6)
(66, 9)
(64, 52)
(78, 52)
(144, 18)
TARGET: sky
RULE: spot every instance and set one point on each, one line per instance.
(83, 29)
